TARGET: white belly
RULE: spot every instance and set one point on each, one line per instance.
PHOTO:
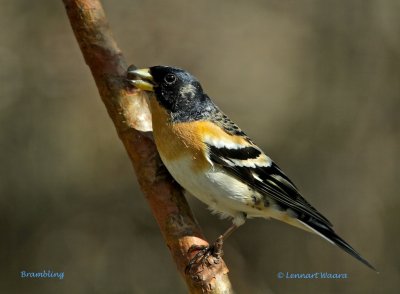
(221, 192)
(226, 195)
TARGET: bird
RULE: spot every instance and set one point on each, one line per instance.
(215, 161)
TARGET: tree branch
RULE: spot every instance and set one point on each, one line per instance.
(129, 112)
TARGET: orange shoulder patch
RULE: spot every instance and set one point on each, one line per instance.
(177, 140)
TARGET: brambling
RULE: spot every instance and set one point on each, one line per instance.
(214, 160)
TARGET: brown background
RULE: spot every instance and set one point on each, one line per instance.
(315, 83)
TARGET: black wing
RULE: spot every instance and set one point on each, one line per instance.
(264, 176)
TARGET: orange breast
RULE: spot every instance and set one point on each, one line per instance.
(175, 141)
(178, 140)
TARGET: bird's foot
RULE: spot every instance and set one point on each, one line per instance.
(206, 255)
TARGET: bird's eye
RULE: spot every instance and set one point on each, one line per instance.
(170, 79)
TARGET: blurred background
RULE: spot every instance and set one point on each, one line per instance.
(315, 83)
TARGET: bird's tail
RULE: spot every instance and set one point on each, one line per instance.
(329, 234)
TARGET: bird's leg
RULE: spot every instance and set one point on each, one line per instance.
(228, 232)
(214, 250)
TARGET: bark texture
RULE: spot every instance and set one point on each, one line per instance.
(128, 110)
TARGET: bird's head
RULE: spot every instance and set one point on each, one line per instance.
(176, 90)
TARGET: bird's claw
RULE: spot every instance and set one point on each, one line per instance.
(206, 255)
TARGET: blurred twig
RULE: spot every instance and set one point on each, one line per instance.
(125, 106)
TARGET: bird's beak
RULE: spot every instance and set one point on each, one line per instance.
(141, 79)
